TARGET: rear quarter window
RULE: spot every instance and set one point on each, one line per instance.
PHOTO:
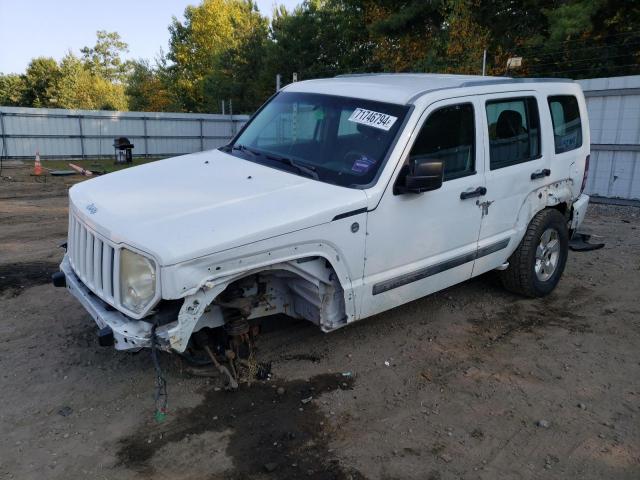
(567, 125)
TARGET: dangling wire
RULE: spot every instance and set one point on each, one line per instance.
(160, 397)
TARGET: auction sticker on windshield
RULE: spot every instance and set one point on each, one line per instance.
(373, 119)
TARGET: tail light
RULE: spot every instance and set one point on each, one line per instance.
(586, 173)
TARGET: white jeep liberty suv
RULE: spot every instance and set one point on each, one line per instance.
(339, 199)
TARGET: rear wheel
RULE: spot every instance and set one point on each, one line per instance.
(537, 264)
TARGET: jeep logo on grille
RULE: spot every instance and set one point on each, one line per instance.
(91, 208)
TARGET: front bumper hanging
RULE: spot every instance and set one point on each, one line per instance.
(128, 334)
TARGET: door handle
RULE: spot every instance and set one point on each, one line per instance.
(478, 192)
(545, 172)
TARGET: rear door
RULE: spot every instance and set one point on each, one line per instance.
(516, 165)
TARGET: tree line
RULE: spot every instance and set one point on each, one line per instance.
(229, 50)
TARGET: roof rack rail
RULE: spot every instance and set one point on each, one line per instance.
(494, 81)
(343, 75)
(477, 83)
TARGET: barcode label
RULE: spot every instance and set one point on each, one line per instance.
(373, 119)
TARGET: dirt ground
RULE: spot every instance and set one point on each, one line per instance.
(469, 383)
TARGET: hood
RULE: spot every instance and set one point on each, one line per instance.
(194, 205)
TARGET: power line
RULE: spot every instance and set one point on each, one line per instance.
(533, 64)
(633, 32)
(594, 47)
(613, 67)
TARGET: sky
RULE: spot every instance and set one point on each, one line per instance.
(32, 28)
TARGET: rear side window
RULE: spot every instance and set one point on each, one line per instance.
(449, 135)
(567, 126)
(514, 131)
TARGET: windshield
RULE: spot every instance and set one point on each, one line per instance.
(333, 139)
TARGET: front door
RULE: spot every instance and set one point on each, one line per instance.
(420, 243)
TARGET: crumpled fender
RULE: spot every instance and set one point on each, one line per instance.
(209, 287)
(546, 196)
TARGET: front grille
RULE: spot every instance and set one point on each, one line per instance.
(93, 260)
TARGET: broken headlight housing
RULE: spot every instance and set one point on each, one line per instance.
(137, 280)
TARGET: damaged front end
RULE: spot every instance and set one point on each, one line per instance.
(305, 288)
(116, 328)
(206, 309)
(220, 321)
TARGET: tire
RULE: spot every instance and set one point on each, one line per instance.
(537, 264)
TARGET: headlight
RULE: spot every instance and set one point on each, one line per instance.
(137, 280)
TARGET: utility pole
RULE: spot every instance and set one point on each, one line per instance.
(484, 63)
(222, 103)
(278, 82)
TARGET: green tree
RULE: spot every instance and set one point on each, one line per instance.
(197, 45)
(79, 88)
(39, 81)
(11, 89)
(146, 91)
(104, 58)
(575, 38)
(320, 38)
(460, 45)
(406, 33)
(586, 39)
(237, 72)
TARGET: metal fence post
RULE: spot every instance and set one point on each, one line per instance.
(4, 152)
(484, 62)
(146, 137)
(201, 135)
(81, 136)
(233, 129)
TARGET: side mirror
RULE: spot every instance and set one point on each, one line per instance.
(421, 175)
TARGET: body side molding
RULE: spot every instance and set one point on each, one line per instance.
(438, 267)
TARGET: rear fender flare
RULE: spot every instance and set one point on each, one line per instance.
(547, 196)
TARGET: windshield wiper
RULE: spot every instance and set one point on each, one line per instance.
(244, 148)
(305, 169)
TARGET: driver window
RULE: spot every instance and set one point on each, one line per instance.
(449, 135)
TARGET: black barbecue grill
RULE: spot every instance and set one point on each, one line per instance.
(123, 148)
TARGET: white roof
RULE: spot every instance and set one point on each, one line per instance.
(400, 88)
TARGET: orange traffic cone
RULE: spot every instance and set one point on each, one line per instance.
(37, 167)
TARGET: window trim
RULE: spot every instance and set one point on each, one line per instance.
(526, 108)
(553, 125)
(474, 171)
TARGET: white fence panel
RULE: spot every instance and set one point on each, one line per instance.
(614, 119)
(59, 133)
